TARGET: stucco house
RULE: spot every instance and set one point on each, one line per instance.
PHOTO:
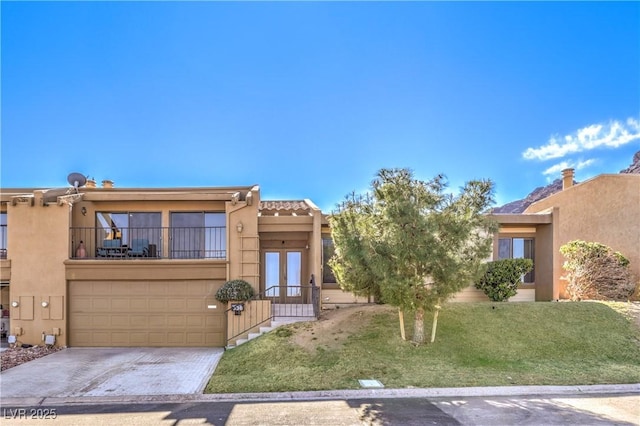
(604, 209)
(107, 266)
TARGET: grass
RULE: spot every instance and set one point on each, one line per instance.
(477, 344)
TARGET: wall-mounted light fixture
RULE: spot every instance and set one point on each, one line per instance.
(83, 210)
(239, 227)
(45, 304)
(15, 303)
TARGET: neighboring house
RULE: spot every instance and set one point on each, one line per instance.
(140, 267)
(604, 209)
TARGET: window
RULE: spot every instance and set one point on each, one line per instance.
(129, 226)
(3, 235)
(327, 252)
(198, 235)
(518, 248)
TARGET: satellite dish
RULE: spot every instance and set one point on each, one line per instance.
(76, 180)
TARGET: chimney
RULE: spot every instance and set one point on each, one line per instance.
(91, 183)
(567, 178)
(107, 183)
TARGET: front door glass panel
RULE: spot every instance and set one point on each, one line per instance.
(294, 275)
(272, 274)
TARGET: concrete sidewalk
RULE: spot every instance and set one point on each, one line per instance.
(466, 392)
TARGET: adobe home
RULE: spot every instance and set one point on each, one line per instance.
(105, 266)
(604, 209)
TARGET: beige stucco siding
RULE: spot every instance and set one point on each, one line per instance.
(339, 297)
(472, 294)
(543, 262)
(37, 246)
(40, 267)
(5, 270)
(605, 209)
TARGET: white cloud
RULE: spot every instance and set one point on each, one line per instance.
(612, 135)
(556, 169)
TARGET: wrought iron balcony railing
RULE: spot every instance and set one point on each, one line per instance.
(135, 243)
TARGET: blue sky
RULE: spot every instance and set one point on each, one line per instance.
(310, 99)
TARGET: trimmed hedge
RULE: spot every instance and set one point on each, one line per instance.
(502, 278)
(235, 290)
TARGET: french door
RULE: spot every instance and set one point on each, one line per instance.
(283, 275)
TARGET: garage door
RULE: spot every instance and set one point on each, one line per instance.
(154, 313)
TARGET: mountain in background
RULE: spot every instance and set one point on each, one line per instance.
(539, 193)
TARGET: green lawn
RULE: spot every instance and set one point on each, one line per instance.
(477, 344)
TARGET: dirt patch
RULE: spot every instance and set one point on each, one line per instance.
(334, 326)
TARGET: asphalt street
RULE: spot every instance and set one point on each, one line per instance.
(609, 409)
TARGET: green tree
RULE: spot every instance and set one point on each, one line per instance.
(351, 261)
(412, 242)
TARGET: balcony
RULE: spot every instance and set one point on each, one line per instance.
(148, 243)
(3, 239)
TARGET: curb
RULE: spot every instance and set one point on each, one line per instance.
(499, 391)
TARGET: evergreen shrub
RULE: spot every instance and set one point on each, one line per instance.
(235, 290)
(501, 280)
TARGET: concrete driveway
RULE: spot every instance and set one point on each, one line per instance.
(77, 372)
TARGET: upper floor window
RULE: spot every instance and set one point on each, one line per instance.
(197, 235)
(518, 248)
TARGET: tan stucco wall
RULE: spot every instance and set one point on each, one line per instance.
(38, 245)
(605, 209)
(39, 267)
(472, 294)
(332, 297)
(141, 269)
(544, 260)
(243, 250)
(5, 270)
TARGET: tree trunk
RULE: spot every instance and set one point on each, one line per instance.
(418, 326)
(401, 315)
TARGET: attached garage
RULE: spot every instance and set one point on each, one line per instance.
(145, 313)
